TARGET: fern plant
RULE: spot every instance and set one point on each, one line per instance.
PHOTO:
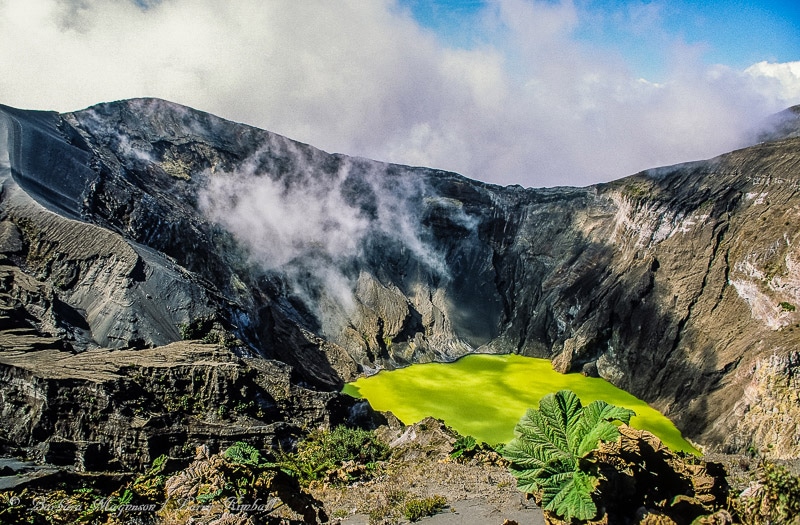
(548, 445)
(245, 454)
(464, 446)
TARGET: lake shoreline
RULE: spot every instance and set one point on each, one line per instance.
(484, 395)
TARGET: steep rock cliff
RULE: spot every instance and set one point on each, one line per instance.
(133, 224)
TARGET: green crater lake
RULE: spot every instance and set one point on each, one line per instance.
(485, 395)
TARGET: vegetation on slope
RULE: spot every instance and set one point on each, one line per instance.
(242, 485)
(581, 463)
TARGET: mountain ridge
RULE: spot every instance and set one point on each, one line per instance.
(675, 283)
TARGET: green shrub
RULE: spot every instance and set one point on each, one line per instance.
(467, 447)
(774, 499)
(464, 446)
(150, 485)
(243, 454)
(416, 509)
(787, 307)
(324, 451)
(549, 442)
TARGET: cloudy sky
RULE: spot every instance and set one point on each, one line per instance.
(531, 92)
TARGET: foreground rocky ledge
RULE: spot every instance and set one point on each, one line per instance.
(118, 410)
(641, 483)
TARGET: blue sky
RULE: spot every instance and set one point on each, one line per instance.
(530, 92)
(733, 33)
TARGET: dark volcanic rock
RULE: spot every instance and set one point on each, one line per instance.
(133, 224)
(121, 409)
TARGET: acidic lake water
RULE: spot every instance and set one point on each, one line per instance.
(485, 395)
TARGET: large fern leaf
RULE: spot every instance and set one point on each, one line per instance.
(595, 425)
(548, 444)
(573, 497)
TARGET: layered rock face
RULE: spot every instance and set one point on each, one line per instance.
(121, 409)
(135, 224)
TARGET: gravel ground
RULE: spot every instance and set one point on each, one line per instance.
(478, 491)
(474, 512)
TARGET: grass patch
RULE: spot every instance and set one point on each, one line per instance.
(418, 508)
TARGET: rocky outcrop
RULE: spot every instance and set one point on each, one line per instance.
(133, 224)
(122, 409)
(768, 413)
(643, 482)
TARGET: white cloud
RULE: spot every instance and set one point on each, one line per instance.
(318, 228)
(777, 81)
(536, 107)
